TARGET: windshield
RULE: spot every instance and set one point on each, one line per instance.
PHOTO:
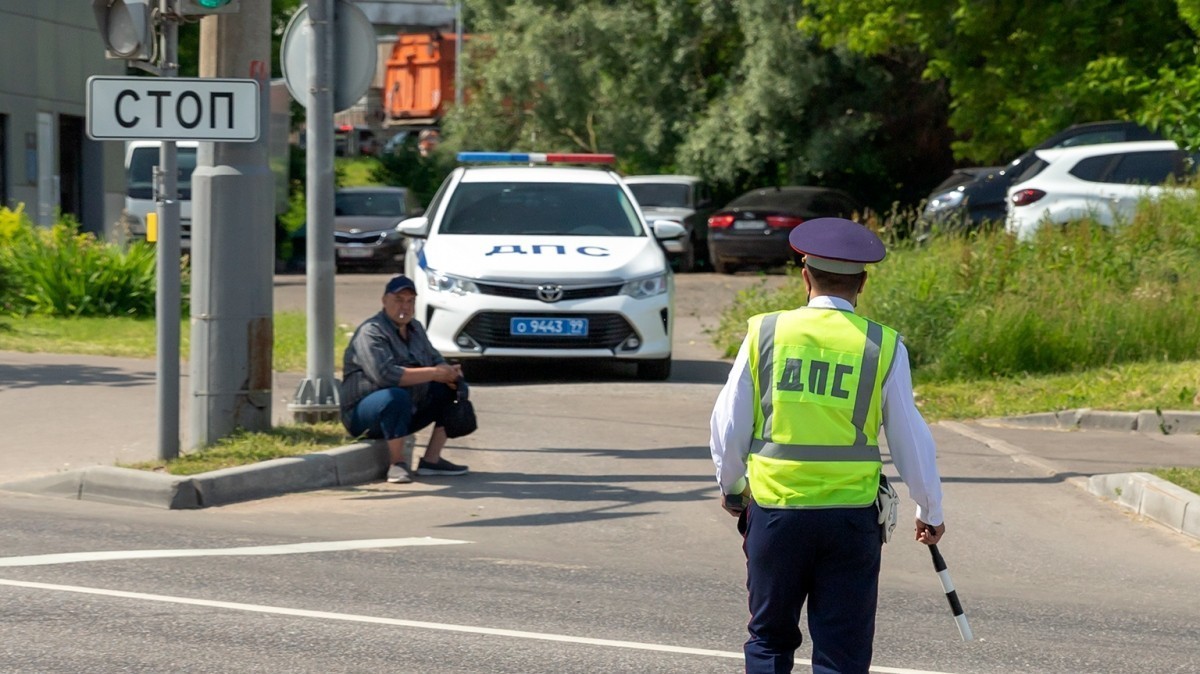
(369, 203)
(140, 177)
(554, 209)
(661, 195)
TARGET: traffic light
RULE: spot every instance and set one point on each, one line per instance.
(194, 7)
(127, 28)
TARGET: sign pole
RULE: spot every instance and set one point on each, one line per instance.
(328, 57)
(168, 290)
(317, 397)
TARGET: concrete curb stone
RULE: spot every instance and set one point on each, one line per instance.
(1151, 497)
(1165, 422)
(338, 467)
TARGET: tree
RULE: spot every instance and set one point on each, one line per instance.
(578, 77)
(1018, 71)
(793, 112)
(727, 90)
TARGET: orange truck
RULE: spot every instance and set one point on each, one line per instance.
(419, 79)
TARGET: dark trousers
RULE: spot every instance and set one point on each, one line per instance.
(389, 413)
(828, 557)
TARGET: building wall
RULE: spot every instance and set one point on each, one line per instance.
(48, 49)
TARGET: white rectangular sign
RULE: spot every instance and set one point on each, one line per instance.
(173, 108)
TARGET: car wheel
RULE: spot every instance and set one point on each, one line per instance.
(720, 264)
(654, 370)
(687, 260)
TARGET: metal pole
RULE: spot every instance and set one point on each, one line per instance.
(317, 396)
(233, 245)
(458, 40)
(167, 290)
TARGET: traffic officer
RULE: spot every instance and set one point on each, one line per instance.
(795, 442)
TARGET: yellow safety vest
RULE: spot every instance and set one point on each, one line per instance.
(818, 379)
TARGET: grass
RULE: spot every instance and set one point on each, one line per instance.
(135, 337)
(356, 171)
(1188, 478)
(244, 447)
(1125, 387)
(1082, 316)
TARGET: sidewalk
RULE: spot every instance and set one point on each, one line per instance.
(1107, 454)
(68, 419)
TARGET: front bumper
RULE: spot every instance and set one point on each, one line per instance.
(477, 325)
(367, 251)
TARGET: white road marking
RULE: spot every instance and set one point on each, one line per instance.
(349, 617)
(289, 549)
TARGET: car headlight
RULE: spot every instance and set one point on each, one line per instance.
(943, 201)
(645, 287)
(392, 235)
(445, 283)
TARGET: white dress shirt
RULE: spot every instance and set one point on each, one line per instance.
(908, 437)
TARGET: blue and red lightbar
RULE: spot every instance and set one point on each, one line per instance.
(535, 158)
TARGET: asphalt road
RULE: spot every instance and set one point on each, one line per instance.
(587, 538)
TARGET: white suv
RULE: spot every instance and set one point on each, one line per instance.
(537, 261)
(1100, 182)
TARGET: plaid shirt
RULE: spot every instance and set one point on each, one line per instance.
(377, 356)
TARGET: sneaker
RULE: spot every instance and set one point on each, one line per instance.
(441, 467)
(399, 474)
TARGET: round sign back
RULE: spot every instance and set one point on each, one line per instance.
(354, 53)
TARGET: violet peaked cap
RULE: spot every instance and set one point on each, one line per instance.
(836, 245)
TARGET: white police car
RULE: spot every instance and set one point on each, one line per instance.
(539, 261)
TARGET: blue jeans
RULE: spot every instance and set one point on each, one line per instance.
(389, 413)
(828, 558)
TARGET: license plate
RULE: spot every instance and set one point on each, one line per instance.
(750, 224)
(549, 327)
(355, 252)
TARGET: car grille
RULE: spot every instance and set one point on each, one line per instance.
(530, 292)
(491, 330)
(369, 238)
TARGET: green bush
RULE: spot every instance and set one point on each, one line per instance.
(59, 271)
(1075, 298)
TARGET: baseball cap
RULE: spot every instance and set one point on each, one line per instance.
(836, 245)
(399, 282)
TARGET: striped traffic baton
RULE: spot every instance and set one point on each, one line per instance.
(939, 565)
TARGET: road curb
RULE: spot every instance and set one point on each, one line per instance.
(338, 467)
(1156, 422)
(1153, 498)
(1142, 493)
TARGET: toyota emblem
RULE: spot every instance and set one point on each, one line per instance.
(550, 293)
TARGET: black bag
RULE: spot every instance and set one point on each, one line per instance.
(459, 419)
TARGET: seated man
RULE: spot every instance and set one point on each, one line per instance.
(395, 383)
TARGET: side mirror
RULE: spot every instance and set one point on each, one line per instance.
(417, 228)
(667, 230)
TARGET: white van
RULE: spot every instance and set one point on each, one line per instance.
(141, 157)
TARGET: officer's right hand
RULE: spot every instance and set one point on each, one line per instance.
(929, 534)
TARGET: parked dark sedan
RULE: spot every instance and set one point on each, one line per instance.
(753, 228)
(365, 220)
